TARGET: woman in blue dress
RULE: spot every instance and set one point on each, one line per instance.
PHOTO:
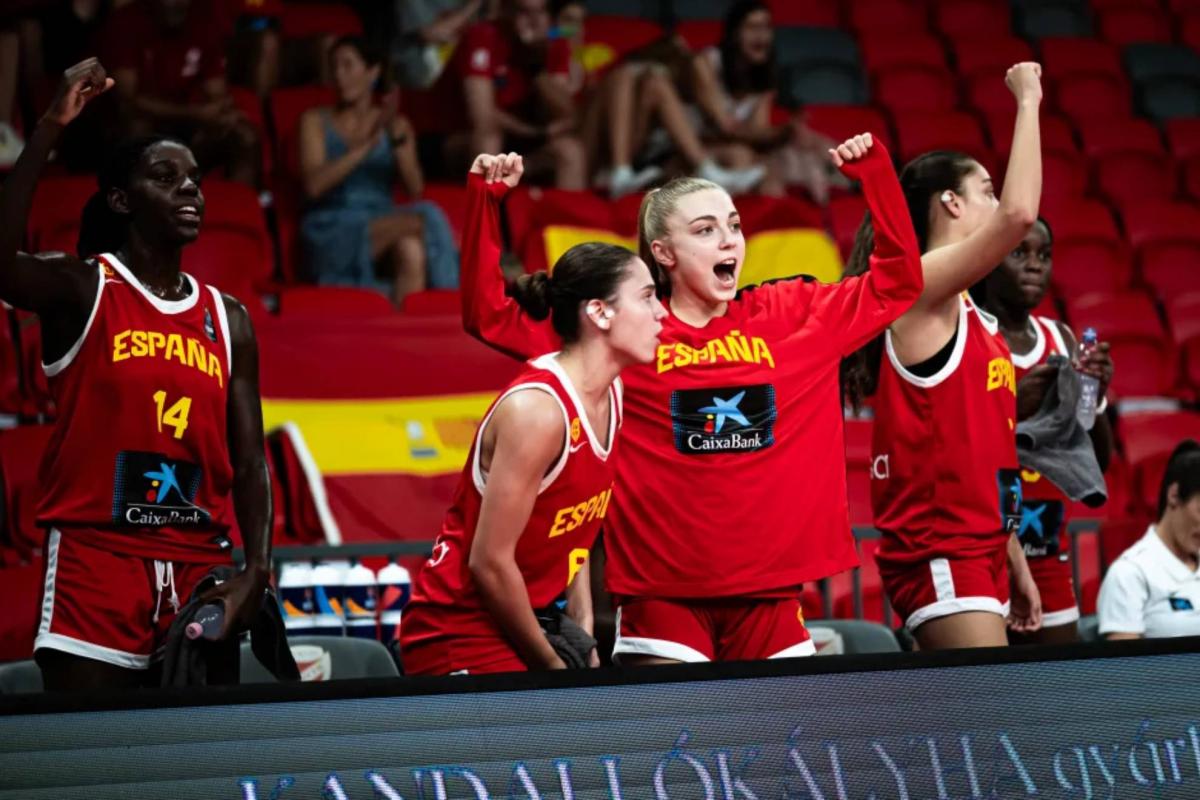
(353, 232)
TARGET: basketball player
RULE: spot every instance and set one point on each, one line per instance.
(1010, 293)
(539, 480)
(156, 381)
(731, 486)
(945, 483)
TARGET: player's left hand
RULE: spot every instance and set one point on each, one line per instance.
(242, 596)
(1025, 605)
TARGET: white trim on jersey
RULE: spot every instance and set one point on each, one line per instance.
(1056, 334)
(549, 362)
(58, 366)
(316, 483)
(164, 306)
(223, 320)
(1028, 360)
(479, 477)
(960, 345)
(805, 648)
(659, 648)
(52, 546)
(989, 320)
(1066, 616)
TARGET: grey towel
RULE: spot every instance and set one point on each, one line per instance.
(572, 643)
(1054, 443)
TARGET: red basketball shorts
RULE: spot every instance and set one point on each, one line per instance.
(943, 586)
(726, 629)
(111, 607)
(1056, 585)
(441, 641)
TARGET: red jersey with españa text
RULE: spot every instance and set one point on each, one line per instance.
(732, 479)
(572, 502)
(1043, 526)
(138, 462)
(944, 476)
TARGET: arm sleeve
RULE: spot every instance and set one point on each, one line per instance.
(1121, 605)
(488, 313)
(859, 308)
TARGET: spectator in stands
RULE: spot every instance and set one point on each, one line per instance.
(138, 504)
(509, 546)
(511, 83)
(1010, 293)
(350, 155)
(255, 48)
(173, 81)
(945, 481)
(1152, 590)
(426, 31)
(734, 85)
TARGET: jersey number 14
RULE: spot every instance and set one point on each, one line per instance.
(176, 416)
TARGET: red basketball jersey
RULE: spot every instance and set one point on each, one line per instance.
(139, 462)
(572, 502)
(1043, 525)
(944, 466)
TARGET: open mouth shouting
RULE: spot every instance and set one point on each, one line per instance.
(726, 272)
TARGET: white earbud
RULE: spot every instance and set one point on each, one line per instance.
(608, 313)
(947, 197)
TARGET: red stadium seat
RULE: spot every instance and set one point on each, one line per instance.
(1191, 179)
(58, 203)
(1129, 322)
(699, 33)
(1128, 178)
(1088, 252)
(20, 595)
(433, 302)
(896, 16)
(226, 258)
(1057, 133)
(1149, 439)
(1166, 238)
(622, 34)
(962, 19)
(1131, 24)
(807, 13)
(985, 92)
(1183, 6)
(1121, 136)
(21, 452)
(304, 20)
(1189, 29)
(1077, 56)
(920, 132)
(452, 199)
(760, 213)
(841, 122)
(1183, 319)
(883, 50)
(333, 301)
(251, 106)
(987, 54)
(845, 217)
(916, 89)
(232, 209)
(1183, 137)
(1090, 97)
(287, 106)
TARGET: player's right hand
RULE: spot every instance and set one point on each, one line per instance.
(80, 83)
(1024, 80)
(507, 168)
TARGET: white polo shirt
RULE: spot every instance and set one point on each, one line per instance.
(1148, 590)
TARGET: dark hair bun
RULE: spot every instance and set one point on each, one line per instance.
(1184, 448)
(535, 294)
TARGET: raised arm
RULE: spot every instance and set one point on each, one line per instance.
(57, 285)
(528, 434)
(954, 268)
(858, 308)
(488, 313)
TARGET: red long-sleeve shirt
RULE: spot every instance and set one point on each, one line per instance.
(732, 477)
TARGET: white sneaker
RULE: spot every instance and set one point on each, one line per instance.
(11, 145)
(734, 181)
(625, 181)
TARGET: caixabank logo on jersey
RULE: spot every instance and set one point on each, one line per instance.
(729, 419)
(153, 491)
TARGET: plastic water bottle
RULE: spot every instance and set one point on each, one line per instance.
(395, 587)
(207, 622)
(296, 596)
(1089, 385)
(361, 605)
(329, 579)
